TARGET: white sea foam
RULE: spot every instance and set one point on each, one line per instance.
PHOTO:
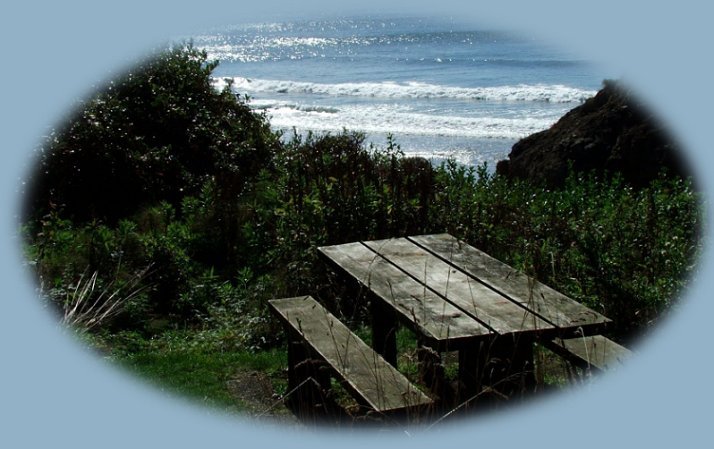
(553, 93)
(399, 121)
(462, 156)
(265, 105)
(472, 93)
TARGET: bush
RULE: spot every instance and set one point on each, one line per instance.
(158, 133)
(160, 169)
(336, 190)
(625, 252)
(333, 189)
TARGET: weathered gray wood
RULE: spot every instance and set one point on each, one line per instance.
(367, 375)
(450, 292)
(595, 351)
(436, 320)
(552, 306)
(478, 301)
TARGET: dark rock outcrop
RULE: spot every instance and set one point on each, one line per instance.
(608, 133)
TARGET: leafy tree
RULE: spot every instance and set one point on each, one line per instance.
(158, 133)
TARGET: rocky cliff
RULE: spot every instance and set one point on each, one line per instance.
(608, 133)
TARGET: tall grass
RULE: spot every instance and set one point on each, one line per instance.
(86, 306)
(626, 252)
(217, 259)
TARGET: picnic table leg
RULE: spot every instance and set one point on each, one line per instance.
(526, 363)
(471, 365)
(308, 383)
(384, 331)
(431, 372)
(297, 357)
(298, 375)
(302, 366)
(509, 367)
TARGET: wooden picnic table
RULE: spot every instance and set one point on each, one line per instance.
(457, 298)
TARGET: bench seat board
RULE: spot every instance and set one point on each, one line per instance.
(363, 371)
(547, 303)
(595, 350)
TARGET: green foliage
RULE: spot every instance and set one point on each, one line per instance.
(334, 190)
(157, 133)
(161, 170)
(347, 192)
(623, 251)
(626, 252)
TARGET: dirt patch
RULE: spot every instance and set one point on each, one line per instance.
(254, 390)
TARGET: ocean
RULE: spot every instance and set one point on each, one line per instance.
(442, 89)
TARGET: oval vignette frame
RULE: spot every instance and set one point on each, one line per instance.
(67, 382)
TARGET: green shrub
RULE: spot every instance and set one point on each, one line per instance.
(333, 190)
(161, 170)
(157, 133)
(625, 252)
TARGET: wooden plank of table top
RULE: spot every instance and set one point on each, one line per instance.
(367, 374)
(551, 305)
(436, 319)
(481, 302)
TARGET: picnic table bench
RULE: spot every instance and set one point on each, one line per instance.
(595, 352)
(457, 298)
(317, 335)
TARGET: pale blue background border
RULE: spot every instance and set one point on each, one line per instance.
(51, 393)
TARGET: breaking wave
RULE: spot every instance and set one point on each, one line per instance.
(552, 93)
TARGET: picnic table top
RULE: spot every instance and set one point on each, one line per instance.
(452, 293)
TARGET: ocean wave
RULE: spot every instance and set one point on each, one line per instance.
(262, 105)
(552, 93)
(399, 121)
